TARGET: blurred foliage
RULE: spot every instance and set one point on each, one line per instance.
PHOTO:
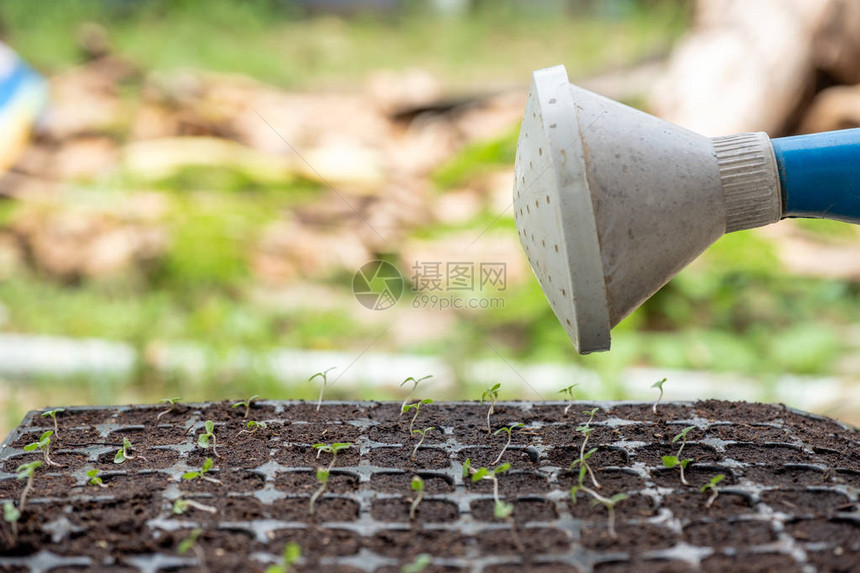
(735, 309)
(476, 159)
(498, 42)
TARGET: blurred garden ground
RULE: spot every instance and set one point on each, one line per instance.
(159, 236)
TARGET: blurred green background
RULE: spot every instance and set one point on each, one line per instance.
(158, 219)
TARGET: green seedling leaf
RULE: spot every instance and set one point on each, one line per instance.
(670, 461)
(417, 484)
(292, 553)
(421, 563)
(480, 473)
(685, 463)
(120, 456)
(589, 453)
(573, 491)
(335, 448)
(713, 483)
(683, 434)
(209, 425)
(203, 440)
(467, 466)
(659, 384)
(94, 478)
(207, 465)
(322, 475)
(191, 475)
(10, 512)
(502, 469)
(180, 506)
(502, 510)
(24, 471)
(187, 544)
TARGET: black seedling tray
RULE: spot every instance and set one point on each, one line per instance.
(789, 501)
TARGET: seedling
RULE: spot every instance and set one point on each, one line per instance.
(659, 385)
(201, 473)
(582, 462)
(324, 376)
(207, 438)
(171, 404)
(11, 515)
(247, 404)
(508, 430)
(423, 434)
(673, 461)
(27, 472)
(53, 414)
(292, 554)
(415, 383)
(609, 504)
(501, 510)
(417, 407)
(418, 488)
(712, 486)
(322, 477)
(122, 453)
(323, 474)
(253, 426)
(490, 395)
(95, 479)
(190, 542)
(43, 445)
(332, 449)
(180, 506)
(569, 393)
(422, 561)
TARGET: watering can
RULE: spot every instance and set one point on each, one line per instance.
(611, 202)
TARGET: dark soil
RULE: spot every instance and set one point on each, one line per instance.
(785, 504)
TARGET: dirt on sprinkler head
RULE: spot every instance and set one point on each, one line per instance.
(788, 501)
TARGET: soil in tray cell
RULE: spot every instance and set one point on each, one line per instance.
(789, 475)
(611, 480)
(316, 542)
(533, 568)
(520, 458)
(644, 566)
(632, 538)
(66, 438)
(806, 502)
(689, 505)
(726, 533)
(67, 461)
(843, 533)
(390, 482)
(637, 506)
(401, 458)
(770, 454)
(318, 433)
(652, 455)
(511, 483)
(141, 458)
(527, 540)
(396, 510)
(604, 456)
(304, 482)
(643, 412)
(525, 510)
(752, 563)
(695, 474)
(231, 480)
(408, 543)
(44, 485)
(326, 508)
(308, 457)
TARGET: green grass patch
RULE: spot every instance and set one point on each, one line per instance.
(477, 159)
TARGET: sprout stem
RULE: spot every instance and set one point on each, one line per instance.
(508, 443)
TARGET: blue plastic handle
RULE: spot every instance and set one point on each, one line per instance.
(820, 175)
